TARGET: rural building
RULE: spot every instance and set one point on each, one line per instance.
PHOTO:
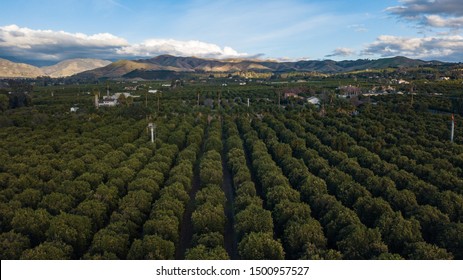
(108, 101)
(112, 100)
(314, 100)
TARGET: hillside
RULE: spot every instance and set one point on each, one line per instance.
(150, 68)
(9, 69)
(65, 68)
(73, 66)
(116, 69)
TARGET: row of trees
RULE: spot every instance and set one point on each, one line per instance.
(342, 228)
(114, 240)
(435, 225)
(427, 133)
(208, 219)
(418, 190)
(161, 232)
(52, 200)
(253, 224)
(374, 212)
(440, 165)
(302, 235)
(380, 184)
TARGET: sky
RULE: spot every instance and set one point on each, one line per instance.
(44, 32)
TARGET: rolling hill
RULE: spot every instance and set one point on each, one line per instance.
(151, 68)
(65, 68)
(157, 67)
(73, 66)
(9, 69)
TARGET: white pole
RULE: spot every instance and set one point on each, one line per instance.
(96, 100)
(151, 127)
(248, 102)
(452, 132)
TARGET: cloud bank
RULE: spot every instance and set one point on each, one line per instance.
(415, 8)
(48, 45)
(449, 47)
(437, 13)
(441, 22)
(432, 15)
(155, 47)
(55, 45)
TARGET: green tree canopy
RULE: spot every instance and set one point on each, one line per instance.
(260, 246)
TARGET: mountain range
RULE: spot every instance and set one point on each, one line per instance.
(65, 68)
(157, 67)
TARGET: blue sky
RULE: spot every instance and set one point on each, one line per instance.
(53, 30)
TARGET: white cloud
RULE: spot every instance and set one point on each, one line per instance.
(25, 38)
(448, 48)
(155, 47)
(434, 13)
(438, 21)
(341, 52)
(413, 8)
(25, 43)
(430, 14)
(47, 45)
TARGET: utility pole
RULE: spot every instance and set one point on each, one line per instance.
(452, 132)
(198, 97)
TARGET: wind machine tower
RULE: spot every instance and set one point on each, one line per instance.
(152, 127)
(96, 99)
